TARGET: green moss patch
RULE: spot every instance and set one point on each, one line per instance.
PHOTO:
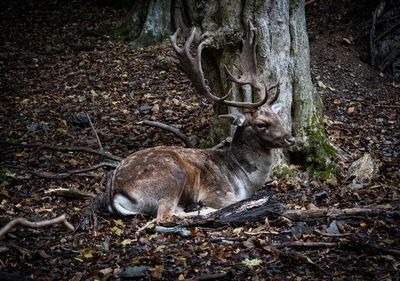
(321, 154)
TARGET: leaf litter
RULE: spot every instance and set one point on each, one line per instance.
(54, 70)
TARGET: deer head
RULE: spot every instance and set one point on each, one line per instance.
(161, 180)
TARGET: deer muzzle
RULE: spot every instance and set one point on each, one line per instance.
(290, 141)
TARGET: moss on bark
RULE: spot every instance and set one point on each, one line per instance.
(320, 154)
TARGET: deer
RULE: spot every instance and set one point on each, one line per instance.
(161, 181)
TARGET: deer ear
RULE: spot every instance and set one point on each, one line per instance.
(277, 107)
(237, 119)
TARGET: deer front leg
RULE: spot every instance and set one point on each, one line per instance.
(166, 210)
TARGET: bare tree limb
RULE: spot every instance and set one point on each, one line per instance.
(170, 129)
(94, 131)
(77, 172)
(24, 222)
(66, 148)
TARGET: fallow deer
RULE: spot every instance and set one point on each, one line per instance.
(161, 180)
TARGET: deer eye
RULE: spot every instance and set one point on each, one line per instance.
(262, 125)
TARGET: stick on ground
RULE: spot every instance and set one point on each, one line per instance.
(24, 222)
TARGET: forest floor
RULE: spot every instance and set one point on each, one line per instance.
(55, 67)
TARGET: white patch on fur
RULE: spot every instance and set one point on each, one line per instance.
(201, 196)
(243, 192)
(124, 206)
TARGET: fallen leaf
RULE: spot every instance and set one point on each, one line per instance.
(348, 40)
(87, 253)
(350, 109)
(250, 263)
(126, 242)
(116, 230)
(321, 84)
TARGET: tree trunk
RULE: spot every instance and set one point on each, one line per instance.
(282, 56)
(150, 22)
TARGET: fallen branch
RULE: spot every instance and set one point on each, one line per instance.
(257, 210)
(24, 222)
(70, 193)
(77, 172)
(339, 214)
(175, 131)
(66, 149)
(351, 245)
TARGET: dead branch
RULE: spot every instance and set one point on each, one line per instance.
(24, 222)
(94, 131)
(77, 172)
(339, 214)
(305, 244)
(256, 210)
(350, 245)
(65, 149)
(70, 193)
(170, 129)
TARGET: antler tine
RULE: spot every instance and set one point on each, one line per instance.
(188, 43)
(173, 41)
(191, 66)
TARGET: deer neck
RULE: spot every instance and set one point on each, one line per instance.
(248, 156)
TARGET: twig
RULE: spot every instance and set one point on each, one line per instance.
(339, 235)
(385, 105)
(305, 244)
(94, 131)
(211, 276)
(62, 175)
(24, 222)
(147, 225)
(69, 193)
(223, 143)
(310, 2)
(66, 148)
(170, 129)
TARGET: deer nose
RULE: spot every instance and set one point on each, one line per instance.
(290, 140)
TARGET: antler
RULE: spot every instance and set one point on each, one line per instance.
(248, 67)
(191, 66)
